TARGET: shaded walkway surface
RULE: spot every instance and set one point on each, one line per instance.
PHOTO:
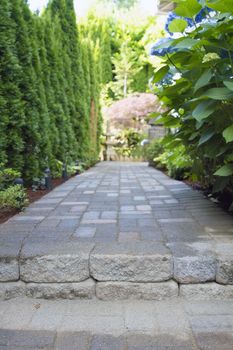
(152, 258)
(128, 325)
(124, 202)
(118, 231)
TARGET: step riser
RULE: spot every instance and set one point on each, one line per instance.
(119, 268)
(109, 291)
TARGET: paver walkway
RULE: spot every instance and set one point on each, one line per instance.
(124, 202)
(136, 325)
(119, 231)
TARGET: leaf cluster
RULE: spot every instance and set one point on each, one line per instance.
(199, 96)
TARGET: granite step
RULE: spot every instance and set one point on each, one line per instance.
(142, 270)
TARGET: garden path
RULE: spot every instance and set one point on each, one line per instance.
(26, 324)
(151, 254)
(116, 224)
(122, 202)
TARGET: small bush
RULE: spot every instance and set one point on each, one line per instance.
(128, 143)
(56, 169)
(154, 150)
(176, 161)
(13, 197)
(73, 169)
(7, 177)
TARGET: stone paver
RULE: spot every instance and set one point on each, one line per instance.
(66, 262)
(120, 230)
(121, 325)
(132, 262)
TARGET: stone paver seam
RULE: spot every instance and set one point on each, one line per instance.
(83, 180)
(146, 202)
(165, 242)
(89, 267)
(118, 203)
(35, 311)
(20, 252)
(160, 224)
(193, 339)
(209, 235)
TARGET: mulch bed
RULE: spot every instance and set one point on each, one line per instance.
(6, 214)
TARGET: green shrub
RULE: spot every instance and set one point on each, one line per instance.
(128, 143)
(74, 168)
(195, 83)
(176, 161)
(154, 150)
(13, 197)
(7, 177)
(56, 168)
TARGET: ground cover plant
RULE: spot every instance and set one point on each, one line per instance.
(12, 194)
(195, 82)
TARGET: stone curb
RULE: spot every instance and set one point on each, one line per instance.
(130, 290)
(57, 270)
(138, 262)
(108, 291)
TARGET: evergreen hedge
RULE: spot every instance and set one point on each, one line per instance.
(51, 74)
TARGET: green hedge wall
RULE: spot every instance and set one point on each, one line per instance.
(50, 82)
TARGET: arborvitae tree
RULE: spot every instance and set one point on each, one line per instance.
(56, 108)
(51, 78)
(105, 52)
(99, 31)
(44, 146)
(31, 133)
(64, 11)
(64, 94)
(11, 106)
(46, 59)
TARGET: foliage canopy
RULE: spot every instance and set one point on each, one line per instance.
(195, 83)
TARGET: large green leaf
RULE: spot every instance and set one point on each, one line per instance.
(225, 170)
(189, 8)
(229, 84)
(160, 74)
(219, 94)
(204, 110)
(220, 184)
(228, 134)
(194, 135)
(178, 25)
(203, 80)
(220, 5)
(186, 43)
(206, 137)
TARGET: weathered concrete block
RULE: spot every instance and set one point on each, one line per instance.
(131, 290)
(9, 252)
(206, 291)
(61, 262)
(225, 264)
(193, 262)
(194, 269)
(225, 270)
(132, 262)
(9, 269)
(12, 290)
(81, 290)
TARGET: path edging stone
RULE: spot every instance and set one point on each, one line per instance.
(132, 290)
(138, 262)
